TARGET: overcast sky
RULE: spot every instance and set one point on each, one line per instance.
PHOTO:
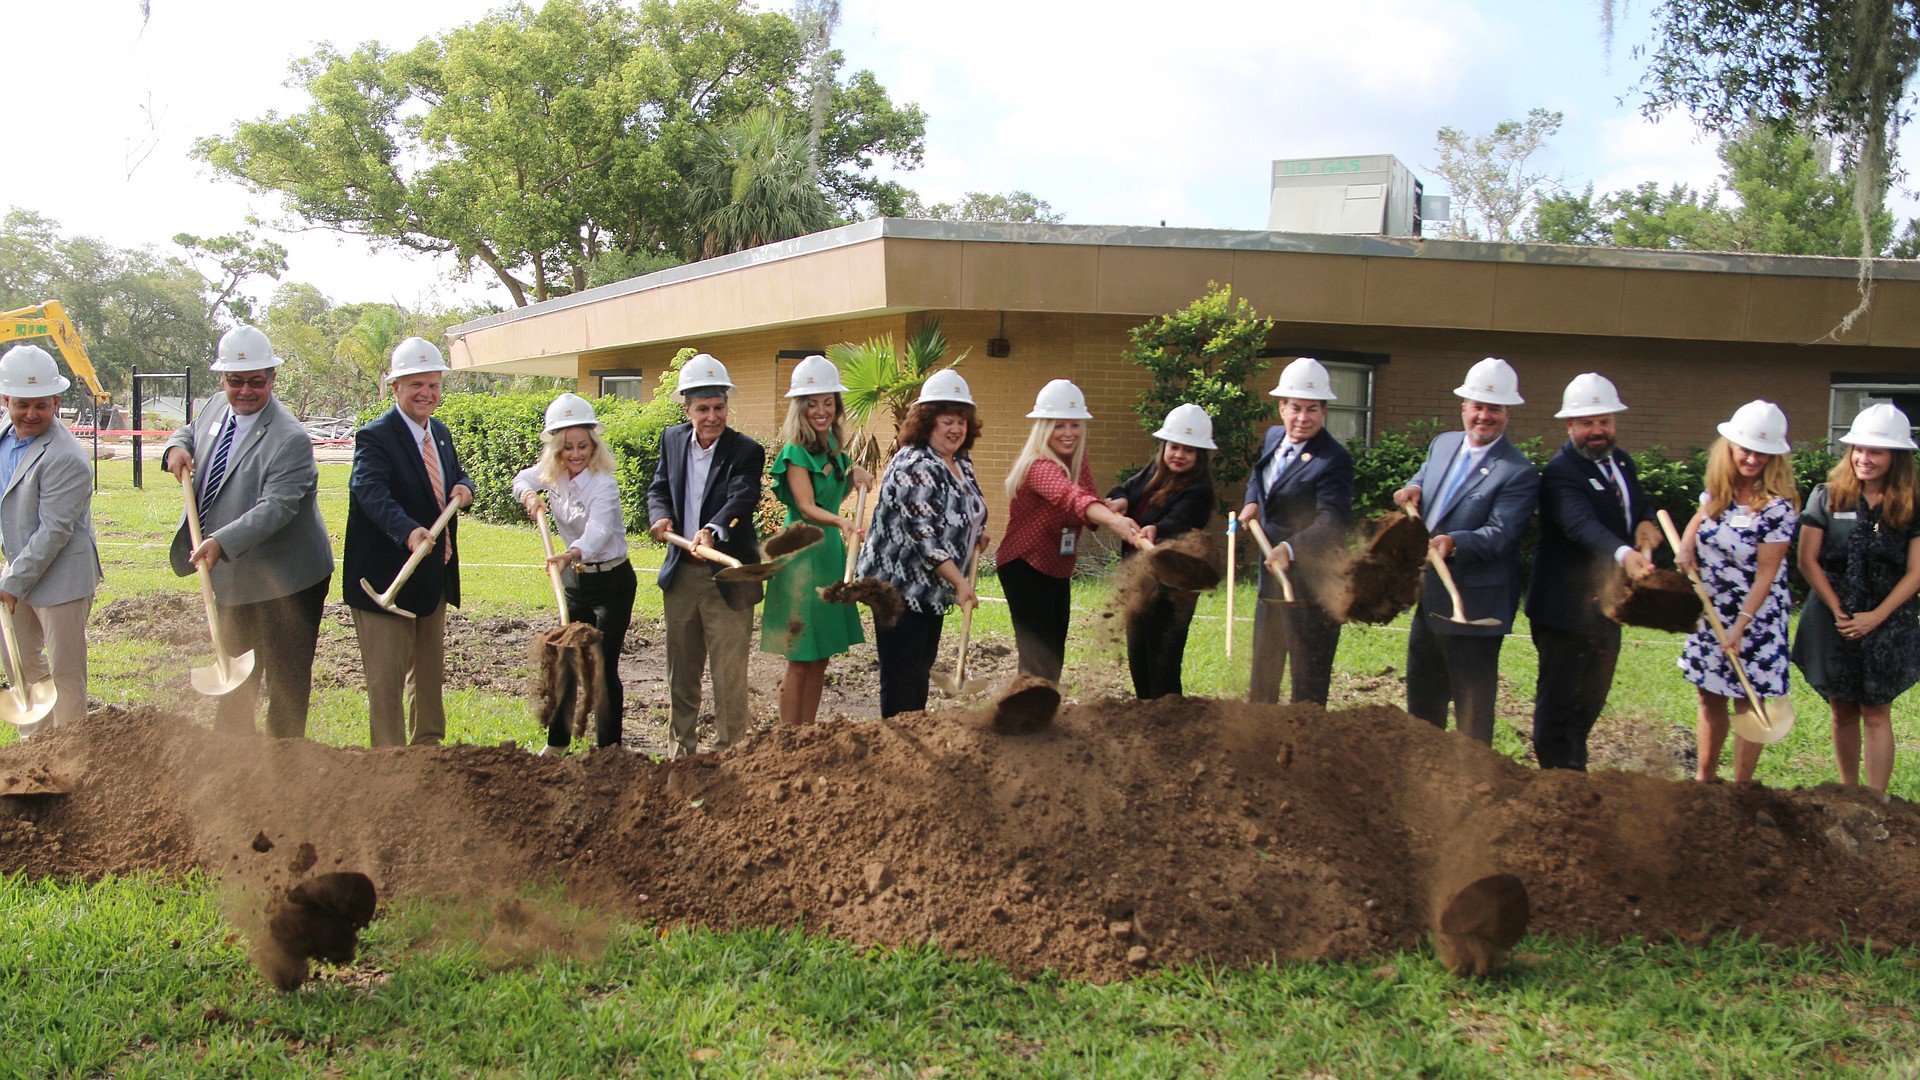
(1116, 112)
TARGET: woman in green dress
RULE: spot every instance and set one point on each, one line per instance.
(811, 478)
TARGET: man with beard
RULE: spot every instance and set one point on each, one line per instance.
(1592, 517)
(1477, 492)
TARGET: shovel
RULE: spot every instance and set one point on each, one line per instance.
(1439, 565)
(1233, 534)
(1179, 570)
(1768, 720)
(567, 660)
(1266, 553)
(227, 672)
(763, 571)
(22, 704)
(385, 599)
(702, 551)
(553, 572)
(957, 684)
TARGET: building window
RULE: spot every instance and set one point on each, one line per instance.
(1350, 416)
(631, 387)
(1850, 394)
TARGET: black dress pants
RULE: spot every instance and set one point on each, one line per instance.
(1157, 643)
(605, 600)
(1460, 668)
(1576, 672)
(907, 651)
(1041, 607)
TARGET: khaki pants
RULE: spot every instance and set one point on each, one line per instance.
(701, 628)
(410, 655)
(53, 640)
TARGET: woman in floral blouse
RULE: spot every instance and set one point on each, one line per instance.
(929, 520)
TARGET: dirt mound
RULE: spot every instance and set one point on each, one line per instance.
(1124, 836)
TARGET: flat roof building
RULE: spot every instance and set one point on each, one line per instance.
(1687, 336)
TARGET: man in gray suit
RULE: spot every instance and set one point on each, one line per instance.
(46, 523)
(256, 484)
(1477, 492)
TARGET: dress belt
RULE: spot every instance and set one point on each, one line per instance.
(600, 567)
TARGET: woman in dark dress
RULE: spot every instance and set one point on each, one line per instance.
(1859, 638)
(1172, 496)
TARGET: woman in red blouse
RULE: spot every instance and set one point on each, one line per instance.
(1043, 527)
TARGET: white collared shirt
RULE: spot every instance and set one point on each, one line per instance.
(699, 467)
(1273, 473)
(586, 510)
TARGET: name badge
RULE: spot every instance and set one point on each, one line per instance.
(1067, 539)
(1846, 515)
(1741, 522)
(1597, 485)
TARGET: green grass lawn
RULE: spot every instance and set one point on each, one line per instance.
(141, 976)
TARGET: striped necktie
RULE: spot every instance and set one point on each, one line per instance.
(431, 459)
(217, 468)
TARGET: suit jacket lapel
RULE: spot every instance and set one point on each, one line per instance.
(715, 494)
(1475, 476)
(28, 459)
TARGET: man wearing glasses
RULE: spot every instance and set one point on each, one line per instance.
(256, 485)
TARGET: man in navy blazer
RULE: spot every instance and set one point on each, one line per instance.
(1477, 493)
(705, 489)
(1301, 492)
(1593, 516)
(404, 474)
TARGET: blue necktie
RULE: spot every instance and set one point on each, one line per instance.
(217, 468)
(1452, 487)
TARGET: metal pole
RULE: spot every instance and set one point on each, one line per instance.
(137, 427)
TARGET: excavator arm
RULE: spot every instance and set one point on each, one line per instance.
(49, 319)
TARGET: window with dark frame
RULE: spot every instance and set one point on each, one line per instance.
(1850, 392)
(1350, 415)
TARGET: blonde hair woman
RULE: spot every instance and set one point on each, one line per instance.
(1859, 639)
(811, 477)
(575, 479)
(1053, 498)
(1737, 541)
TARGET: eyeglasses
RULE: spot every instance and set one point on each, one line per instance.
(257, 382)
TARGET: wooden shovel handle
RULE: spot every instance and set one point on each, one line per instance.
(206, 578)
(414, 560)
(1446, 579)
(853, 542)
(702, 550)
(1266, 552)
(1713, 619)
(553, 572)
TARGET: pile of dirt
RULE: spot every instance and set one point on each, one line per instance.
(1123, 836)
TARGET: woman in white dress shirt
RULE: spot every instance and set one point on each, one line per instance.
(576, 478)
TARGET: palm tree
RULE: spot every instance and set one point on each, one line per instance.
(876, 376)
(752, 183)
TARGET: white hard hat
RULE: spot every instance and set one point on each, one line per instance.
(244, 348)
(570, 410)
(1881, 425)
(28, 371)
(1188, 425)
(945, 385)
(1305, 378)
(815, 375)
(415, 356)
(1491, 381)
(1060, 400)
(702, 370)
(1759, 426)
(1589, 395)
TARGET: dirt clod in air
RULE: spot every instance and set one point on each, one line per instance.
(1384, 579)
(567, 683)
(1028, 705)
(1473, 932)
(261, 844)
(304, 857)
(318, 919)
(794, 537)
(880, 597)
(1658, 600)
(1188, 563)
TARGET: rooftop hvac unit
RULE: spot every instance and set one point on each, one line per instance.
(1370, 195)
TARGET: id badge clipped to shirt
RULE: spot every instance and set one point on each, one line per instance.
(1067, 540)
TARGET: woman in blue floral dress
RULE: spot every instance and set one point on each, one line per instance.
(1737, 542)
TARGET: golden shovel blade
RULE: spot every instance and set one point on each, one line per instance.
(23, 705)
(1778, 723)
(214, 682)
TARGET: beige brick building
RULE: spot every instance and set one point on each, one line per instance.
(1687, 336)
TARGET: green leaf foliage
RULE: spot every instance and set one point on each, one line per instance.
(1205, 354)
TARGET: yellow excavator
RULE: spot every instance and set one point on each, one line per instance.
(49, 319)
